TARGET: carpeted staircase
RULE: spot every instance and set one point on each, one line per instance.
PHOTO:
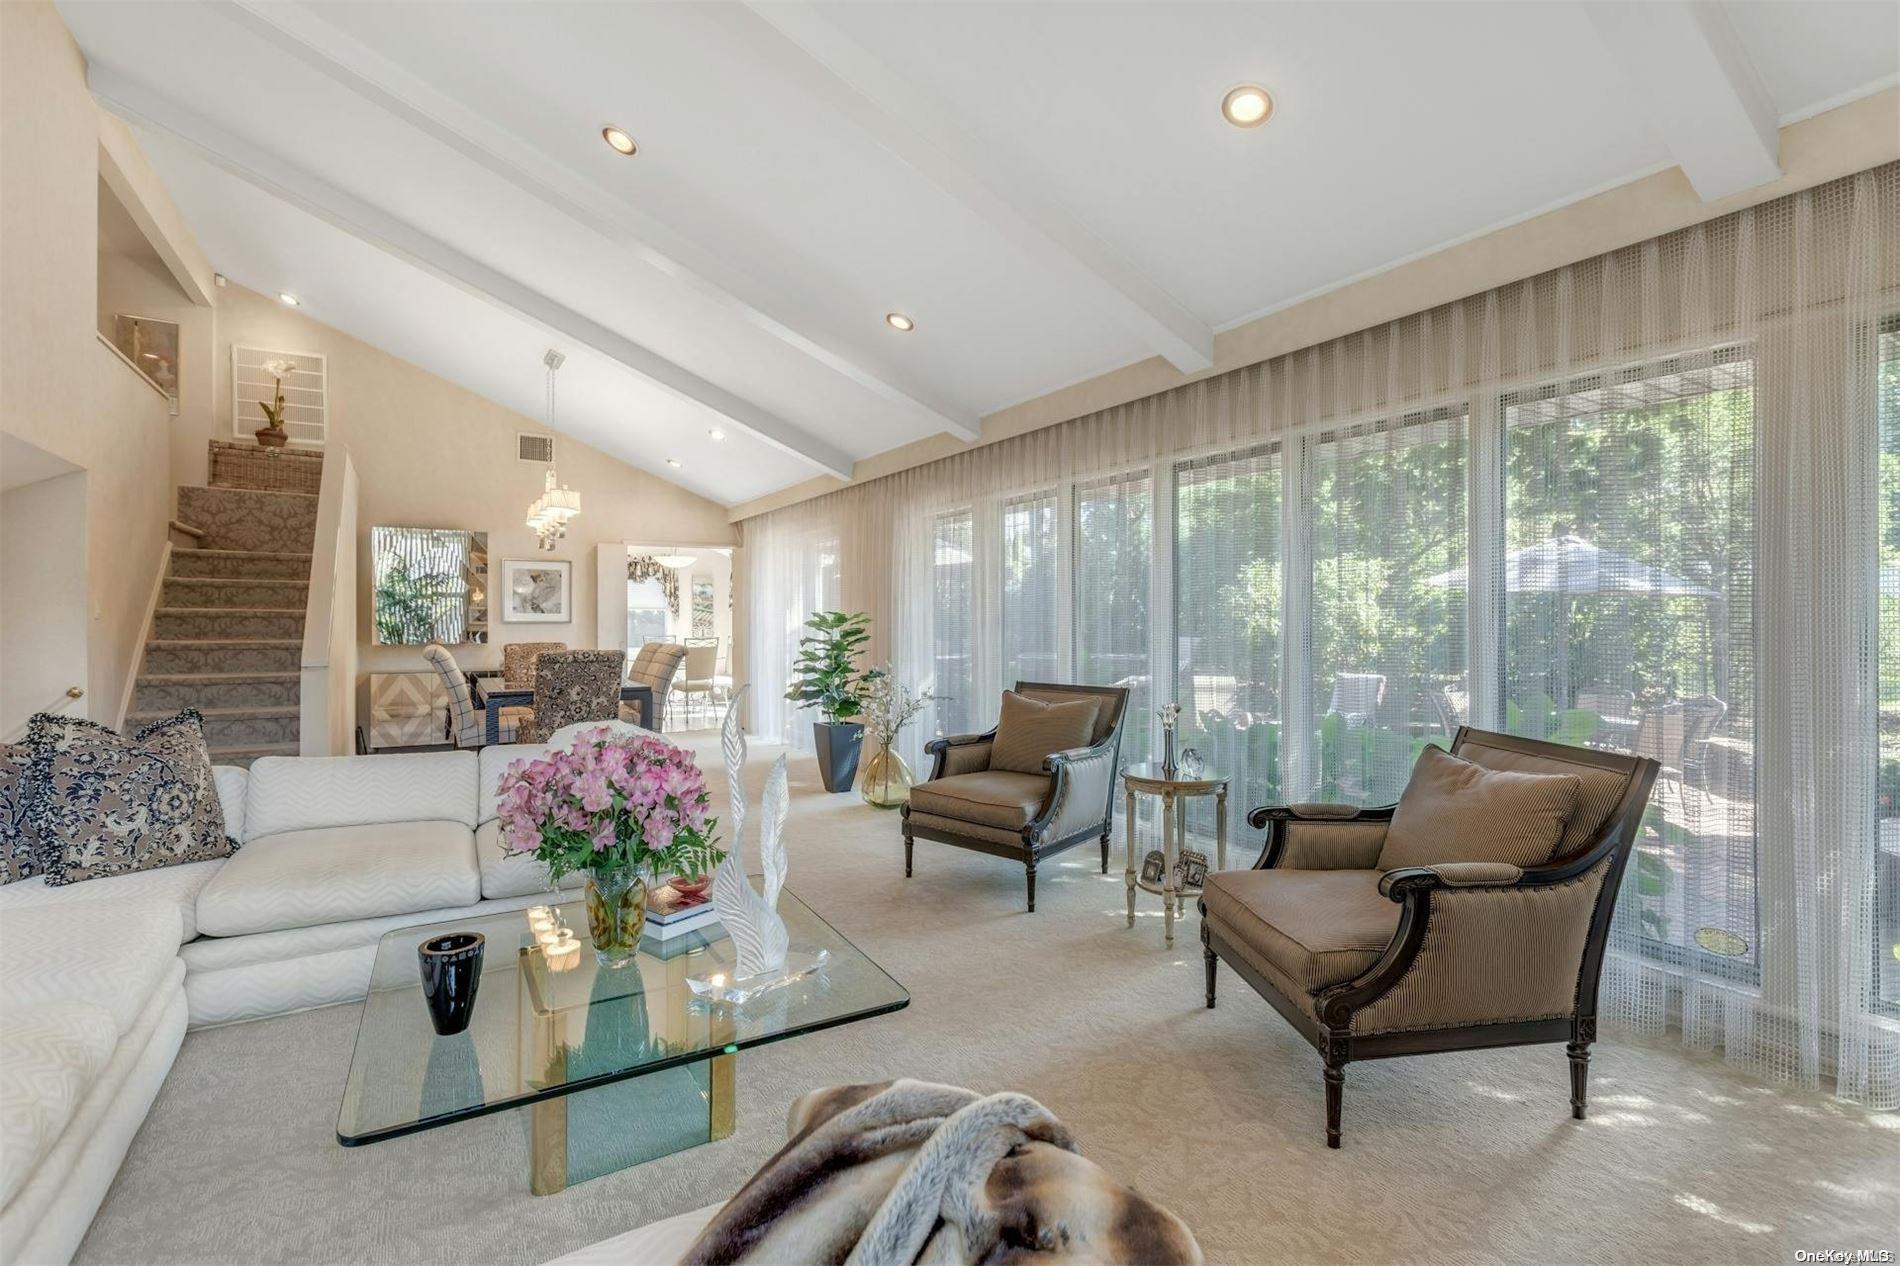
(228, 635)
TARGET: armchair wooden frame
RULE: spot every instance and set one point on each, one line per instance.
(1062, 821)
(1328, 1024)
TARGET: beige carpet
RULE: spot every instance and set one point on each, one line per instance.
(1454, 1158)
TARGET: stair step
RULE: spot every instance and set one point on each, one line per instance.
(220, 655)
(250, 519)
(236, 728)
(247, 564)
(243, 756)
(172, 624)
(171, 692)
(228, 592)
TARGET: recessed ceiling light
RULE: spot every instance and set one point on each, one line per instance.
(673, 462)
(898, 321)
(288, 300)
(621, 142)
(1249, 105)
(716, 434)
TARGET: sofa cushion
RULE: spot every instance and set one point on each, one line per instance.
(112, 954)
(1455, 811)
(234, 783)
(991, 797)
(1315, 927)
(306, 793)
(513, 874)
(50, 1056)
(106, 804)
(1601, 790)
(176, 886)
(300, 878)
(19, 842)
(493, 762)
(1029, 730)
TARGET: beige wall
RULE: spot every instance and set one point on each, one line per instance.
(60, 389)
(430, 454)
(44, 633)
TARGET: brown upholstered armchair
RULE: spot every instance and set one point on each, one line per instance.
(1024, 817)
(1367, 963)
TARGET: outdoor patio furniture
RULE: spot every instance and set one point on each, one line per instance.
(1357, 696)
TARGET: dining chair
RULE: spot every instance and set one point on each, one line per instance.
(574, 686)
(518, 661)
(698, 679)
(467, 724)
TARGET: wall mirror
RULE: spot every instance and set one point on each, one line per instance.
(431, 585)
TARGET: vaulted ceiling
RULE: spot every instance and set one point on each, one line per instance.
(1048, 190)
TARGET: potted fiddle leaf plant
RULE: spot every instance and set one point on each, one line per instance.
(272, 434)
(825, 676)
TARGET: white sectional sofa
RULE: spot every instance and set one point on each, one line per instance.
(99, 980)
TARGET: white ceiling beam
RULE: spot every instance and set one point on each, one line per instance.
(343, 210)
(894, 112)
(765, 304)
(1704, 98)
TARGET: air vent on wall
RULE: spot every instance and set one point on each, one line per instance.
(530, 447)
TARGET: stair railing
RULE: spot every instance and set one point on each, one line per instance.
(69, 695)
(326, 694)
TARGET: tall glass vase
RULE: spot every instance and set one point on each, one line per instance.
(616, 913)
(885, 779)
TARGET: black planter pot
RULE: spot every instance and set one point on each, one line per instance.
(838, 748)
(451, 973)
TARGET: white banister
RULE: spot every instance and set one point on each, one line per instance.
(327, 692)
(69, 695)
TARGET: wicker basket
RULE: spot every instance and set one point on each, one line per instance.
(266, 469)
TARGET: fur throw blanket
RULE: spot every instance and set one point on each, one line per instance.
(906, 1172)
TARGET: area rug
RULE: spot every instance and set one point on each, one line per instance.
(1214, 1114)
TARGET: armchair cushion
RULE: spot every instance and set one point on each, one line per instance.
(1029, 731)
(1313, 927)
(992, 797)
(1455, 811)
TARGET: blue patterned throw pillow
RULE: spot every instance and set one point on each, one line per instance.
(104, 804)
(19, 843)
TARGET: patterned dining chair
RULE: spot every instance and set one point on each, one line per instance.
(518, 660)
(466, 723)
(574, 686)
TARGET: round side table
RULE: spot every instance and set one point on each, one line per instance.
(1174, 790)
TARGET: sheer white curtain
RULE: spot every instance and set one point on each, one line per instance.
(1649, 502)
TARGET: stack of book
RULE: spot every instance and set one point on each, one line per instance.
(669, 916)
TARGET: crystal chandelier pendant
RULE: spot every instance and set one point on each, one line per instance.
(549, 514)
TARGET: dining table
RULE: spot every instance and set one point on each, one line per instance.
(492, 694)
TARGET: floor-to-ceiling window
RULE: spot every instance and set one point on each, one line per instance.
(1228, 613)
(1886, 877)
(1031, 644)
(1628, 579)
(1387, 650)
(1114, 548)
(953, 630)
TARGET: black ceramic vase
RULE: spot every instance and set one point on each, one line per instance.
(451, 973)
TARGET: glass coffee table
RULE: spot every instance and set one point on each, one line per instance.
(616, 1066)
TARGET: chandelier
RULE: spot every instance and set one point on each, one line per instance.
(549, 514)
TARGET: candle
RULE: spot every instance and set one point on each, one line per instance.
(563, 954)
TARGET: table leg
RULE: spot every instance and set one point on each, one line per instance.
(1128, 818)
(1168, 847)
(493, 721)
(1220, 827)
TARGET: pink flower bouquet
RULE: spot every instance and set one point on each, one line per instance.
(610, 803)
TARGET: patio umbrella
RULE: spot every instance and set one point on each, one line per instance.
(1571, 565)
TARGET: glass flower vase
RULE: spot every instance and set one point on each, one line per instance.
(616, 913)
(885, 779)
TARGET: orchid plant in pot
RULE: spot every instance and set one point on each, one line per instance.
(272, 434)
(622, 808)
